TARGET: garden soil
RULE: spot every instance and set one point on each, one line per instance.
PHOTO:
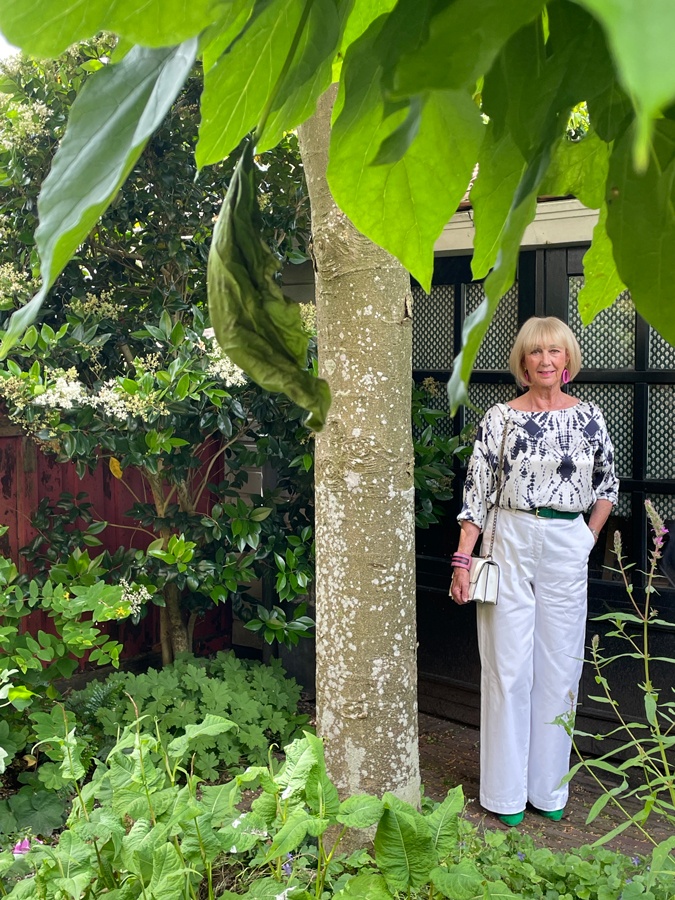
(449, 757)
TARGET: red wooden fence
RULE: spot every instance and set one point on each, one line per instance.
(27, 475)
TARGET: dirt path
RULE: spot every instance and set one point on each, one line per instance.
(449, 756)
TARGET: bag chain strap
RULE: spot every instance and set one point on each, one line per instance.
(500, 485)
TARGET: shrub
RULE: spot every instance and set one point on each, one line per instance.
(260, 699)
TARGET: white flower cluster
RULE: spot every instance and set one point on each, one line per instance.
(65, 393)
(113, 401)
(21, 124)
(308, 316)
(221, 366)
(14, 285)
(135, 595)
(101, 306)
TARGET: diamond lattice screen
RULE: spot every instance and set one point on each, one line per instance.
(624, 506)
(616, 404)
(433, 327)
(493, 355)
(664, 504)
(661, 353)
(609, 341)
(661, 432)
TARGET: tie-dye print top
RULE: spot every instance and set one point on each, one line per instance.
(562, 459)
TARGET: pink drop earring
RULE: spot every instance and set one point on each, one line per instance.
(565, 376)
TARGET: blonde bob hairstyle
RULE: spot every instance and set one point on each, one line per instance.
(543, 331)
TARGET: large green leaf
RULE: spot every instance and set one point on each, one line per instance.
(258, 328)
(500, 169)
(641, 38)
(237, 87)
(367, 886)
(310, 72)
(110, 122)
(362, 14)
(360, 811)
(579, 168)
(48, 27)
(291, 834)
(459, 882)
(169, 873)
(641, 225)
(444, 822)
(211, 725)
(404, 849)
(402, 205)
(602, 284)
(464, 38)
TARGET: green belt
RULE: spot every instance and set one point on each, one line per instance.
(545, 512)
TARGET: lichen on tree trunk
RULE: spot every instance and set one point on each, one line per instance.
(365, 538)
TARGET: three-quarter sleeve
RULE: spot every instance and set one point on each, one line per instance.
(479, 483)
(605, 482)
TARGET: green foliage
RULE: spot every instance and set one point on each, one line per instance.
(138, 828)
(645, 772)
(275, 625)
(406, 120)
(529, 872)
(145, 822)
(434, 453)
(260, 699)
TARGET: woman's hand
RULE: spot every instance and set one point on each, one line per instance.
(459, 588)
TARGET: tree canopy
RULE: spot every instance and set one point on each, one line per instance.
(427, 89)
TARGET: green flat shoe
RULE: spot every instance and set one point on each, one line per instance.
(555, 815)
(513, 819)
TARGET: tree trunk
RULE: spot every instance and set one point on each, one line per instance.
(365, 523)
(173, 629)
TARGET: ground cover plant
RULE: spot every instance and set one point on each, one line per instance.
(259, 698)
(145, 827)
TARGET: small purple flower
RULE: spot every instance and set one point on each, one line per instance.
(635, 860)
(21, 848)
(287, 867)
(521, 855)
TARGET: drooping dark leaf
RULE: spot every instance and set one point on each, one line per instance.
(256, 325)
(110, 122)
(641, 225)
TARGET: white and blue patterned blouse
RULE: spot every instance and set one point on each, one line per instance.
(561, 459)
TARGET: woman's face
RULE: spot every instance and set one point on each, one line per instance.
(544, 365)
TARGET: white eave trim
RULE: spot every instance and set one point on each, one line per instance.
(556, 222)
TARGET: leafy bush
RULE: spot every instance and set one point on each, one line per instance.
(260, 699)
(137, 831)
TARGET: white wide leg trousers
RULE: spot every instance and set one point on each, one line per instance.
(531, 647)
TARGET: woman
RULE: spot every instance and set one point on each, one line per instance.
(558, 463)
